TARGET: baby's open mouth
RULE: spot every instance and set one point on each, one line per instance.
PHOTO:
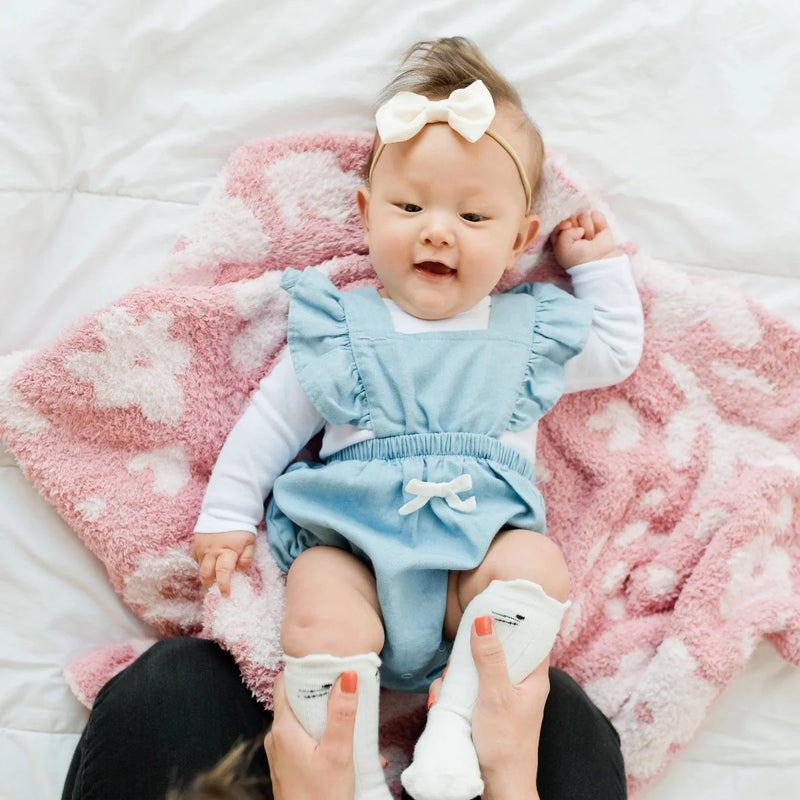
(434, 268)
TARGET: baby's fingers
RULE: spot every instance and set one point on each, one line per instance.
(574, 234)
(226, 564)
(565, 224)
(586, 221)
(600, 221)
(207, 569)
(246, 558)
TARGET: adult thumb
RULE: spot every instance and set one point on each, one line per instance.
(337, 740)
(488, 655)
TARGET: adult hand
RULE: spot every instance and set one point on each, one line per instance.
(507, 719)
(303, 769)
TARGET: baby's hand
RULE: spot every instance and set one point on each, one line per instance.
(219, 554)
(581, 238)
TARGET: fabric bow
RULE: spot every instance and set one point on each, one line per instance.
(467, 111)
(425, 490)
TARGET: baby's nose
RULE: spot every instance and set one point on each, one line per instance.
(437, 232)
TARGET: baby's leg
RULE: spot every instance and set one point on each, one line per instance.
(521, 562)
(523, 584)
(333, 625)
(331, 606)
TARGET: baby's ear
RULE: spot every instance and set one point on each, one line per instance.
(528, 229)
(362, 199)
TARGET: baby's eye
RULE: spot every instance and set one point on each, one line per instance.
(409, 207)
(470, 217)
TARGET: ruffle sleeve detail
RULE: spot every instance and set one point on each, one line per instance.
(319, 342)
(561, 327)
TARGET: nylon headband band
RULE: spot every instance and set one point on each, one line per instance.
(503, 143)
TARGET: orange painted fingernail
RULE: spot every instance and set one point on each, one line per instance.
(349, 682)
(483, 626)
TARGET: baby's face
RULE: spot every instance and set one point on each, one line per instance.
(445, 218)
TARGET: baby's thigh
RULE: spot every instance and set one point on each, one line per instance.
(331, 605)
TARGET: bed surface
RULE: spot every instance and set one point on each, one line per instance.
(117, 117)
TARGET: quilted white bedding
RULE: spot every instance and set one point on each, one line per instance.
(116, 117)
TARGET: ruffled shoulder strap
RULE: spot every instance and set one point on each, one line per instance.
(319, 341)
(560, 327)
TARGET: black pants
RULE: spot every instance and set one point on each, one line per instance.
(182, 705)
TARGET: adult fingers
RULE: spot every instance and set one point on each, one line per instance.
(278, 705)
(337, 741)
(285, 727)
(273, 759)
(433, 691)
(536, 686)
(531, 693)
(286, 733)
(279, 701)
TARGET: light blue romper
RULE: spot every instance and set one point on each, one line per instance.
(437, 403)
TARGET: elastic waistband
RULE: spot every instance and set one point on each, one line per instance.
(471, 445)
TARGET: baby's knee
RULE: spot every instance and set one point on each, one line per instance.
(308, 631)
(303, 633)
(552, 569)
(530, 556)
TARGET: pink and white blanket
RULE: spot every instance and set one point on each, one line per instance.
(675, 495)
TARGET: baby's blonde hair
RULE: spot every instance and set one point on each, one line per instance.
(437, 67)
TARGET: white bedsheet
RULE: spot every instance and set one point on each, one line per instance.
(115, 118)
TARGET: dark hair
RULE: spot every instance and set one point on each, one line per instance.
(227, 780)
(437, 67)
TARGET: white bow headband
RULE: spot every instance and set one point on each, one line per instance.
(467, 111)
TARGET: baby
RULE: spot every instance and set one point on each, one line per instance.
(424, 514)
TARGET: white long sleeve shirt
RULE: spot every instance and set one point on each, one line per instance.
(281, 419)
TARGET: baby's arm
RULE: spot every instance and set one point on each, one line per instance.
(614, 344)
(601, 275)
(278, 422)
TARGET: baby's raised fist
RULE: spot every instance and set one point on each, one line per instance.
(581, 238)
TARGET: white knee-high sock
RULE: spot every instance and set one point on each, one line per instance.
(526, 619)
(308, 682)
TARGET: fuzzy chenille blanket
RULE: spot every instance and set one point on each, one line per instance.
(675, 495)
